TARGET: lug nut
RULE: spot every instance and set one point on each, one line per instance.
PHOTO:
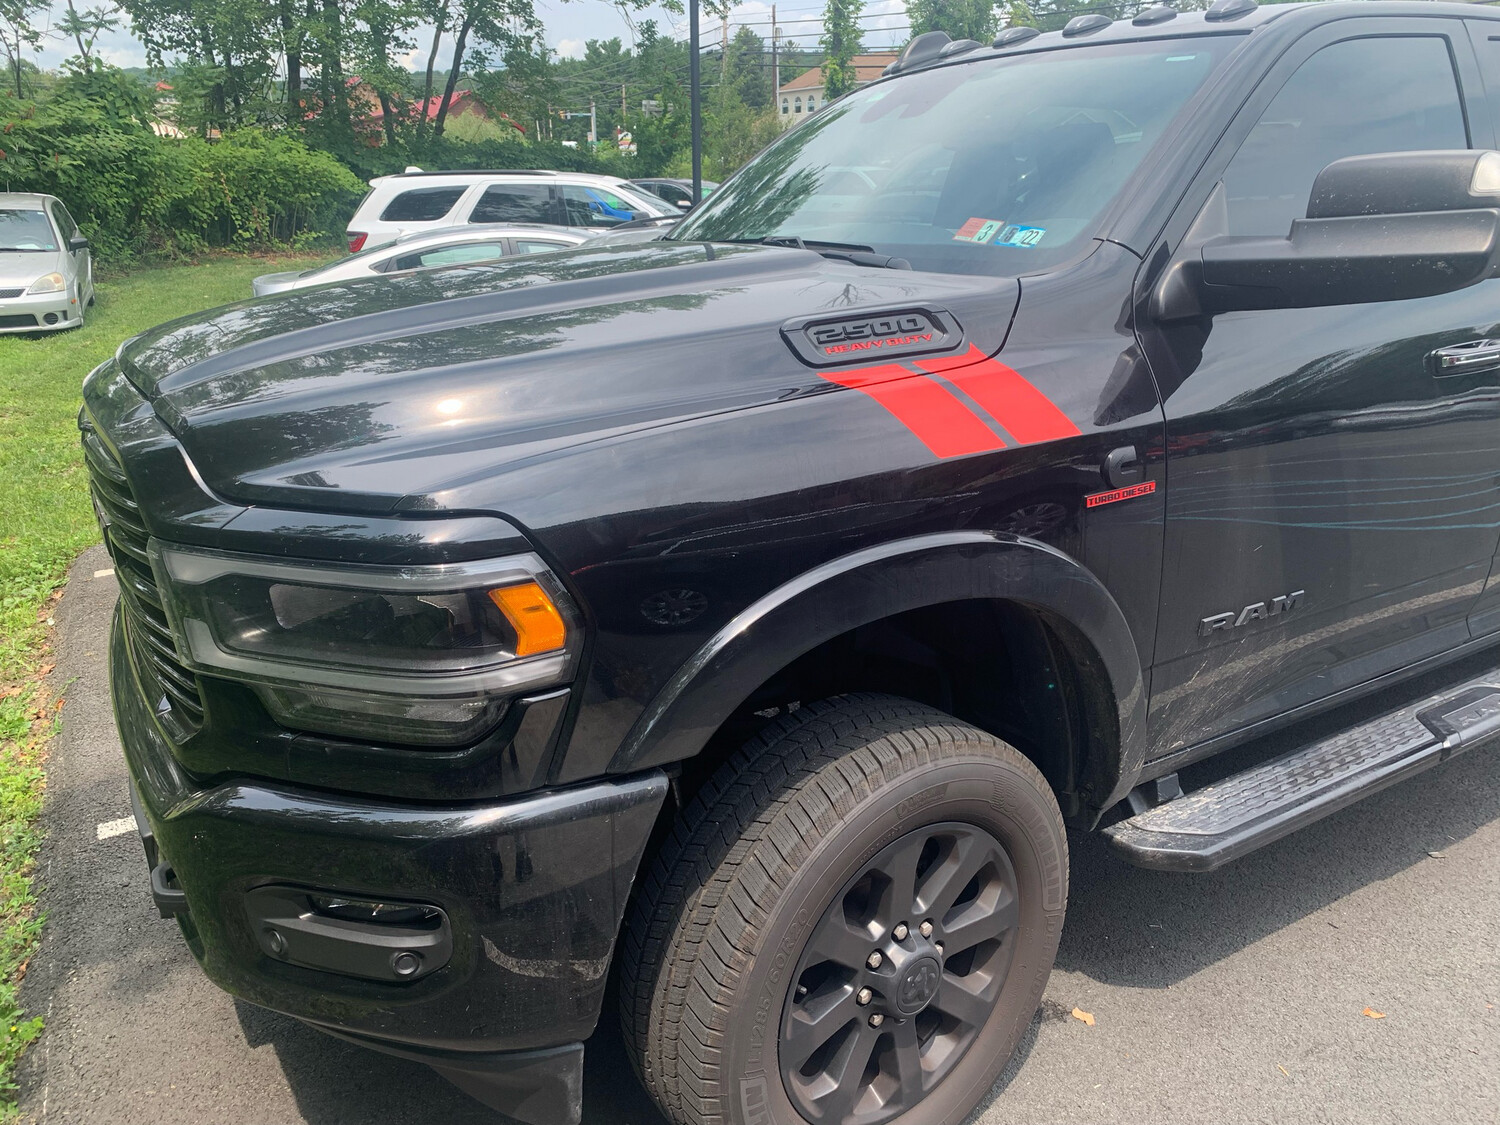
(863, 997)
(876, 1019)
(405, 963)
(925, 929)
(874, 960)
(938, 946)
(900, 932)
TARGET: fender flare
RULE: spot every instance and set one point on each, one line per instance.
(877, 582)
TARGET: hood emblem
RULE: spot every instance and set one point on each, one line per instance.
(872, 336)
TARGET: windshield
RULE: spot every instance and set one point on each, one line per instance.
(26, 230)
(642, 200)
(989, 167)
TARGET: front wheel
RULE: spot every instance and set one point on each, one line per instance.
(852, 924)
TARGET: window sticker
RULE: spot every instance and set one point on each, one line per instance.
(978, 230)
(1025, 238)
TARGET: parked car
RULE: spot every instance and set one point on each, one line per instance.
(679, 193)
(740, 620)
(46, 271)
(445, 246)
(641, 230)
(414, 201)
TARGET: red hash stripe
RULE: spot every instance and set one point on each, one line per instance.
(1009, 399)
(939, 420)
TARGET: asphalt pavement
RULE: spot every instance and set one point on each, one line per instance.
(1234, 997)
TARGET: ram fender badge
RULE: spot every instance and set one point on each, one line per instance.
(883, 335)
(1257, 611)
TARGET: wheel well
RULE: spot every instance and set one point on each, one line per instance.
(1006, 667)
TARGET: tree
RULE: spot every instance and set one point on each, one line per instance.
(840, 44)
(19, 34)
(750, 69)
(962, 19)
(85, 27)
(224, 54)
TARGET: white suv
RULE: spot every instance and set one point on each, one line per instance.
(415, 201)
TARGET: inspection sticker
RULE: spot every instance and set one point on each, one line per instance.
(978, 230)
(1024, 237)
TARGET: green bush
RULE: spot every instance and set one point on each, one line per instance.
(137, 195)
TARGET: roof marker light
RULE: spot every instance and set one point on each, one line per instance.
(1011, 36)
(1159, 13)
(1086, 25)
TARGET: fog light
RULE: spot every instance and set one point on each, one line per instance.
(359, 910)
(50, 318)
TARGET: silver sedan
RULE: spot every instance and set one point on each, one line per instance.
(447, 246)
(46, 273)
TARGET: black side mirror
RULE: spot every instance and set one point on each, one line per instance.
(77, 242)
(1387, 227)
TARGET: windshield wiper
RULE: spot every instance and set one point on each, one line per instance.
(22, 250)
(843, 251)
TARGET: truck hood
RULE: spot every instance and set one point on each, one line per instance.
(370, 394)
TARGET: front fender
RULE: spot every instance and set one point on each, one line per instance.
(877, 582)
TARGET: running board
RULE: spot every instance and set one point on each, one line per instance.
(1218, 823)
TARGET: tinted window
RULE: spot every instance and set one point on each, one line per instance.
(450, 255)
(421, 205)
(995, 166)
(514, 203)
(539, 246)
(26, 229)
(64, 221)
(596, 207)
(1349, 99)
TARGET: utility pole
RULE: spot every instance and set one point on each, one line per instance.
(775, 67)
(724, 59)
(695, 92)
(622, 105)
(593, 126)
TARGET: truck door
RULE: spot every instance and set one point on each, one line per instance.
(1484, 616)
(1331, 500)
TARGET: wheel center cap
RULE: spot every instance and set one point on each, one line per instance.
(919, 984)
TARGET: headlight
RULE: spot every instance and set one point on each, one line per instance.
(51, 283)
(423, 654)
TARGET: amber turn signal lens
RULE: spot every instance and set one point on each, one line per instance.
(538, 625)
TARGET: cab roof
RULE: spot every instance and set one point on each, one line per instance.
(1224, 17)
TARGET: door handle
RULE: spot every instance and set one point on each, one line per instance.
(1122, 466)
(1465, 358)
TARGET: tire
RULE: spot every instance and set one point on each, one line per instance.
(780, 857)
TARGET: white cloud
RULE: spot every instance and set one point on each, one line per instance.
(127, 54)
(570, 48)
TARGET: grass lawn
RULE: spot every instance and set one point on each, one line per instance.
(45, 521)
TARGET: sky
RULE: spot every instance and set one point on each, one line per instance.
(570, 25)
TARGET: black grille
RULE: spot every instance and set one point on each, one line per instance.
(126, 538)
(18, 321)
(4, 293)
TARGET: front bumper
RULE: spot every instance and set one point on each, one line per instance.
(29, 314)
(533, 890)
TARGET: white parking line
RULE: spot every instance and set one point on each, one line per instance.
(111, 828)
(104, 573)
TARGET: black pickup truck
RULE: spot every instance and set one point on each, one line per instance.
(735, 624)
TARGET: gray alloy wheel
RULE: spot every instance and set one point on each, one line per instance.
(852, 923)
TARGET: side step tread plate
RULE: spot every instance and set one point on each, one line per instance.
(1221, 822)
